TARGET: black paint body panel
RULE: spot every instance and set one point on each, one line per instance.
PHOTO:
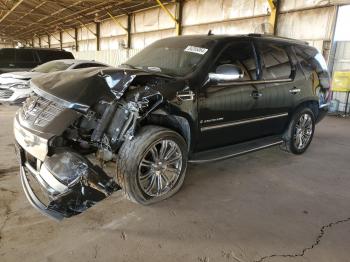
(229, 110)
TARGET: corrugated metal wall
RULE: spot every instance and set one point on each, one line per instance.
(310, 20)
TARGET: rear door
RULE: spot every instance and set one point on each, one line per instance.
(49, 55)
(276, 96)
(25, 59)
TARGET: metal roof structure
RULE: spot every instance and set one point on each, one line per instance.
(25, 19)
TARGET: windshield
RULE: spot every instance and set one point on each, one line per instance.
(172, 56)
(53, 66)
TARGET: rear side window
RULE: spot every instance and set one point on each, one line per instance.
(275, 61)
(7, 55)
(242, 55)
(310, 59)
(48, 55)
(24, 55)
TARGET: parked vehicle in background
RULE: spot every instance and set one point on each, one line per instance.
(24, 59)
(15, 88)
(182, 99)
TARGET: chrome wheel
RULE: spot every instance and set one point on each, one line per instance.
(303, 131)
(160, 168)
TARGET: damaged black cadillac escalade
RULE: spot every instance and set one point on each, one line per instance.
(87, 133)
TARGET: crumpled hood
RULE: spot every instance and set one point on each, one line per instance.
(86, 86)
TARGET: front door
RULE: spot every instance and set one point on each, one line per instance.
(228, 111)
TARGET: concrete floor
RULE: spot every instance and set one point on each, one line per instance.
(265, 206)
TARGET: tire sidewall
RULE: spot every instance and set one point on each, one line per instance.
(294, 122)
(132, 184)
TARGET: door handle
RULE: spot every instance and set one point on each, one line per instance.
(256, 94)
(185, 95)
(294, 90)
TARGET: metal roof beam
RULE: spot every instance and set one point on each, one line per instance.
(10, 11)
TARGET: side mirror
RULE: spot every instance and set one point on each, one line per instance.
(226, 73)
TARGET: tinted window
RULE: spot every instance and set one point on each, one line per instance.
(7, 55)
(24, 55)
(48, 55)
(275, 61)
(310, 58)
(240, 54)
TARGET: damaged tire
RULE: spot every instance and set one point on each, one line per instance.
(151, 167)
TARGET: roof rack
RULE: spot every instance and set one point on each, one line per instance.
(278, 37)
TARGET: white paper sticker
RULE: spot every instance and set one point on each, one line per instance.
(195, 49)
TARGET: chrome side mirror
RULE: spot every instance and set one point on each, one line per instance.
(226, 73)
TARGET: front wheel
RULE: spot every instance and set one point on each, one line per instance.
(300, 131)
(151, 167)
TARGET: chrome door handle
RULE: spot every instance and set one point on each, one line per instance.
(256, 94)
(185, 95)
(294, 91)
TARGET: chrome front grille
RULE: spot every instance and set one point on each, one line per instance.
(40, 111)
(5, 93)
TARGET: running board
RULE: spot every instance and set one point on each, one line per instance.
(235, 150)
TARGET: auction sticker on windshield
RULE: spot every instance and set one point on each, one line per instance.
(195, 49)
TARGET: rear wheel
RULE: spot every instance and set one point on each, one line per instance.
(300, 131)
(152, 166)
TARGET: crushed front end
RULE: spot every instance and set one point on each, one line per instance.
(58, 181)
(67, 139)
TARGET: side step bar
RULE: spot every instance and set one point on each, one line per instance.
(235, 150)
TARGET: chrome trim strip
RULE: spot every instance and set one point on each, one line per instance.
(236, 154)
(255, 82)
(235, 123)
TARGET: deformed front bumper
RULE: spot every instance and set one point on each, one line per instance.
(62, 184)
(35, 201)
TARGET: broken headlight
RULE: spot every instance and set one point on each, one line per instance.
(67, 167)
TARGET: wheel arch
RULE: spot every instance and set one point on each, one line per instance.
(177, 123)
(311, 103)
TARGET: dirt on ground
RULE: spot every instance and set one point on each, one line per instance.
(265, 206)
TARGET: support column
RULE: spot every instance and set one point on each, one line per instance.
(128, 44)
(274, 9)
(177, 23)
(98, 45)
(178, 16)
(61, 43)
(76, 39)
(49, 40)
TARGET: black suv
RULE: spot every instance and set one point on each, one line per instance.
(89, 132)
(24, 59)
